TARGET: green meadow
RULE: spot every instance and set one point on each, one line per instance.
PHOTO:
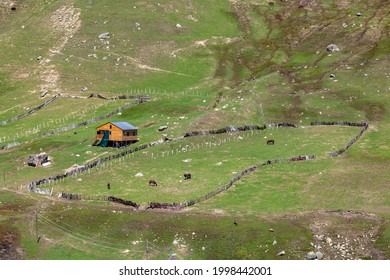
(204, 66)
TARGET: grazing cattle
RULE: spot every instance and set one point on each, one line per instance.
(187, 176)
(152, 183)
(271, 142)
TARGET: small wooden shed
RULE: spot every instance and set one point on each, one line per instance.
(116, 134)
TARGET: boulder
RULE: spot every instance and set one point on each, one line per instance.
(332, 48)
(319, 255)
(311, 256)
(105, 35)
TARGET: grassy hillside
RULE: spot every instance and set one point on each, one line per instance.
(205, 66)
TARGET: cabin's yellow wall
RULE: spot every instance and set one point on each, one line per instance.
(116, 133)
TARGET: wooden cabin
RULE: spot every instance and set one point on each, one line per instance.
(116, 134)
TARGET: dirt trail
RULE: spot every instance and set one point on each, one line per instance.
(65, 21)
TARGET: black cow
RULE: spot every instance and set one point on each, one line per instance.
(270, 142)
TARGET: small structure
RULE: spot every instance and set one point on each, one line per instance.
(38, 160)
(115, 134)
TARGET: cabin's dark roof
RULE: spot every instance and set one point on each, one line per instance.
(124, 125)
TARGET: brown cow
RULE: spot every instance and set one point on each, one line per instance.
(152, 183)
(187, 176)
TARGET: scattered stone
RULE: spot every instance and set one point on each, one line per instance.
(319, 255)
(358, 14)
(79, 179)
(332, 48)
(39, 57)
(139, 174)
(271, 230)
(282, 253)
(44, 93)
(38, 160)
(274, 243)
(84, 89)
(187, 160)
(105, 35)
(218, 163)
(45, 164)
(178, 26)
(162, 128)
(311, 256)
(332, 76)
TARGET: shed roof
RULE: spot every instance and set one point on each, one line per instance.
(124, 125)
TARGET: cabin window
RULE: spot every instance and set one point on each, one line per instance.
(110, 126)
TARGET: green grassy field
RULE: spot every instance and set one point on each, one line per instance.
(205, 66)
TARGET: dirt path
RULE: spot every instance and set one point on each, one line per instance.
(65, 22)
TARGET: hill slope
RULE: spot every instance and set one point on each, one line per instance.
(69, 66)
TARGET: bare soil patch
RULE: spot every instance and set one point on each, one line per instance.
(343, 235)
(9, 244)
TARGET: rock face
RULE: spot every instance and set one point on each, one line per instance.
(332, 48)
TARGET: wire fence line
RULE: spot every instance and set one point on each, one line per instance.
(96, 119)
(38, 129)
(31, 111)
(134, 94)
(107, 161)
